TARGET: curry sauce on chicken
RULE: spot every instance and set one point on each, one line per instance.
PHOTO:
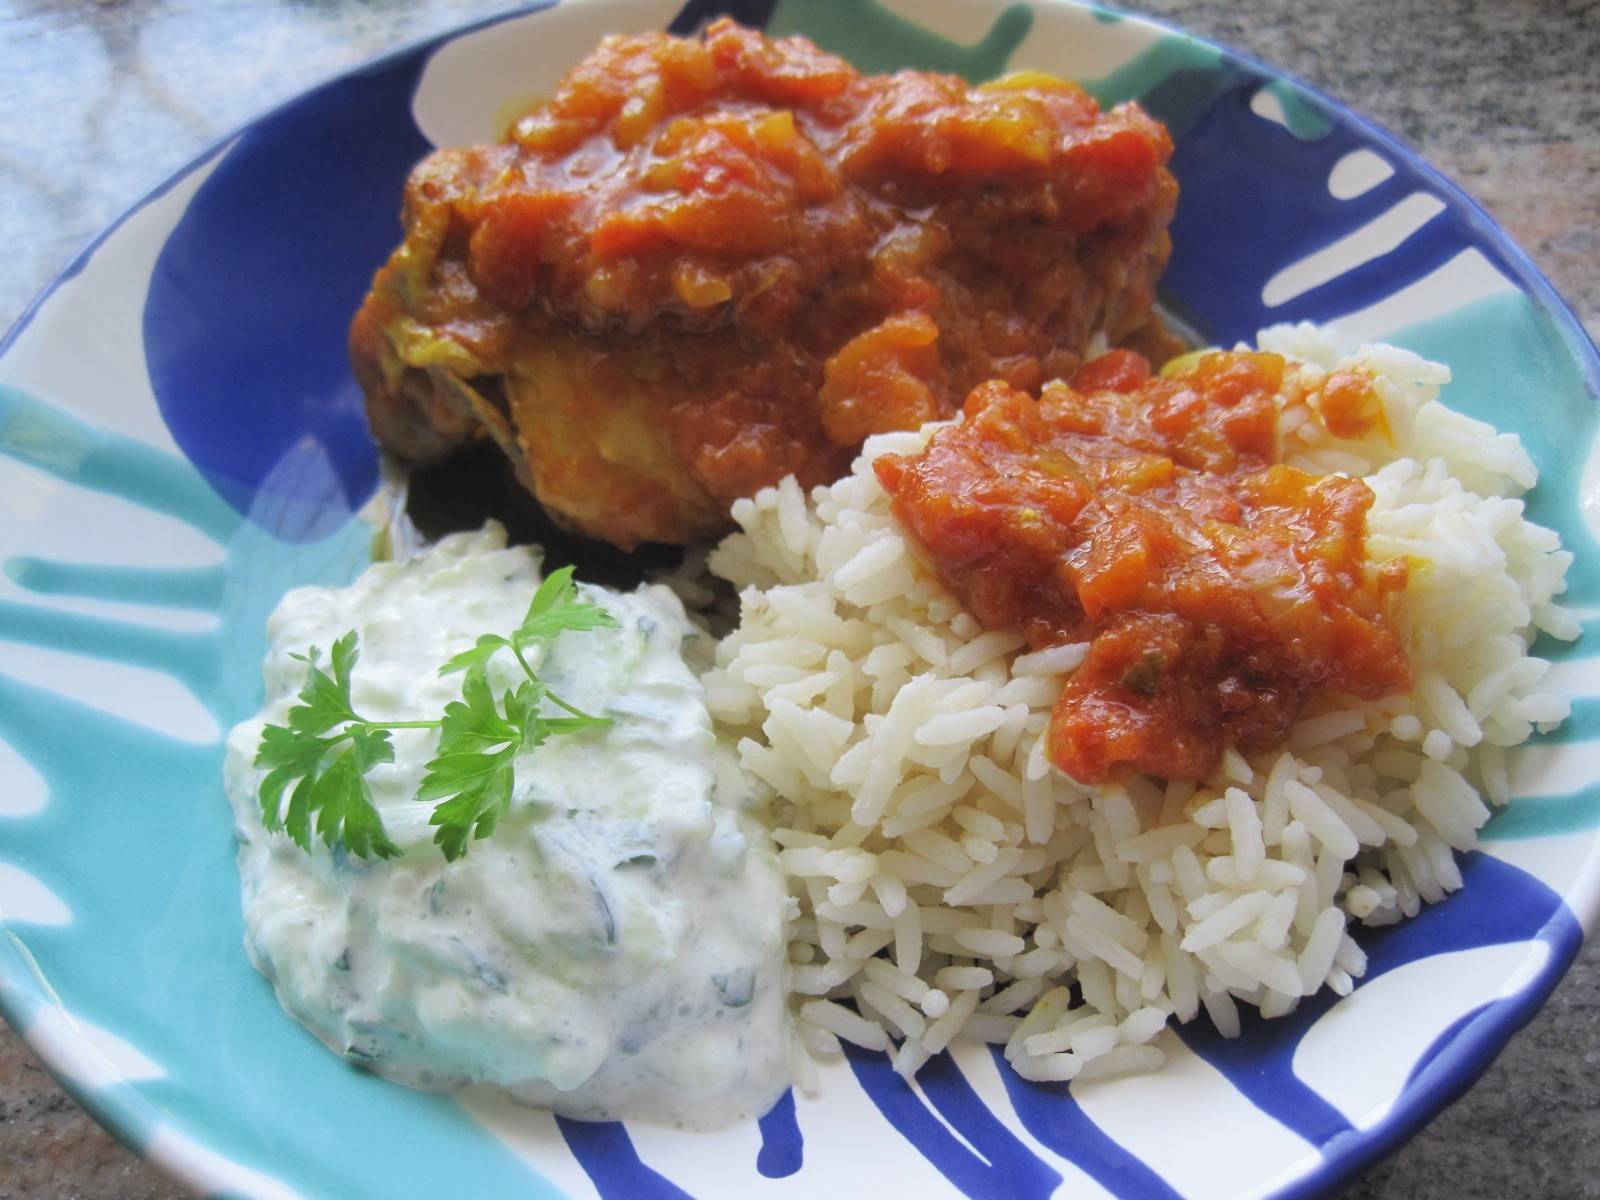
(705, 264)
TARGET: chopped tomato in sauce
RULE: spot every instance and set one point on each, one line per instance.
(1218, 587)
(703, 264)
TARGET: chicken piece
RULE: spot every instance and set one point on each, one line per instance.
(703, 265)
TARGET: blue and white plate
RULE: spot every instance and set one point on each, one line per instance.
(181, 441)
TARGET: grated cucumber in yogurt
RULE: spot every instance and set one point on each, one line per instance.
(615, 949)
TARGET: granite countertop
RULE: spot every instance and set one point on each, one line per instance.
(104, 99)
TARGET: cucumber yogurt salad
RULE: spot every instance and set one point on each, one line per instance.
(615, 949)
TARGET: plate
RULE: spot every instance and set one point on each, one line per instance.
(181, 441)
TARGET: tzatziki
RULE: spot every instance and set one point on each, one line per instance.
(616, 948)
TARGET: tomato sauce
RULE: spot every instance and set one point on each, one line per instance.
(1218, 588)
(704, 264)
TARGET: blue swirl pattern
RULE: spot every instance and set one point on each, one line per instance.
(242, 321)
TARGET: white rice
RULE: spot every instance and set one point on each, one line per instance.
(950, 882)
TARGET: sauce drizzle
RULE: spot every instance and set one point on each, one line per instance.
(1219, 588)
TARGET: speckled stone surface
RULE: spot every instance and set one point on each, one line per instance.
(101, 100)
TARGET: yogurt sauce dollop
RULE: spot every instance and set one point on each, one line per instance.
(615, 949)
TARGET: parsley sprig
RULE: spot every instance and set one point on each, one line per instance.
(321, 758)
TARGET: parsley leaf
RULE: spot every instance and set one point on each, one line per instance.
(556, 608)
(479, 742)
(328, 773)
(474, 769)
(327, 749)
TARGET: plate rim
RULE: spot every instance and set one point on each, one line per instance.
(125, 1113)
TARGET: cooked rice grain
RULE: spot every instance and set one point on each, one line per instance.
(950, 882)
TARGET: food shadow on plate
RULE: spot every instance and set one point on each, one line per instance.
(478, 484)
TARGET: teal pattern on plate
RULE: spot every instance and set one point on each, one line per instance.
(136, 836)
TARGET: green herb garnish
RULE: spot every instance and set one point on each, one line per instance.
(322, 756)
(1144, 677)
